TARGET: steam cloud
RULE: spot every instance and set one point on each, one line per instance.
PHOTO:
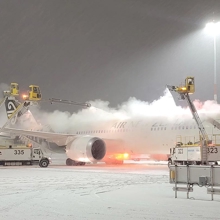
(3, 87)
(100, 112)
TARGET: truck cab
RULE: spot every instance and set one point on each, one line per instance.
(38, 156)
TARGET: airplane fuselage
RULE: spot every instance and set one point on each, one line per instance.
(153, 136)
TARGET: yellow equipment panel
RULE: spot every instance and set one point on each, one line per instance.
(34, 93)
(14, 89)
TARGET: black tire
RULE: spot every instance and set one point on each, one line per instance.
(44, 162)
(69, 162)
(79, 163)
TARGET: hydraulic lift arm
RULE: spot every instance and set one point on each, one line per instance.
(35, 95)
(31, 98)
(63, 101)
(184, 91)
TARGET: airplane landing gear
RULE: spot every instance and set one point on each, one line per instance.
(70, 162)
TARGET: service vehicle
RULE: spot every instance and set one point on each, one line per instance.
(18, 155)
(203, 152)
(191, 154)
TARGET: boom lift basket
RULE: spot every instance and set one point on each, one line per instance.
(34, 93)
(14, 90)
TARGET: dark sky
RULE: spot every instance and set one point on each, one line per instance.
(107, 49)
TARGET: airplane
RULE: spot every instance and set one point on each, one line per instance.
(113, 141)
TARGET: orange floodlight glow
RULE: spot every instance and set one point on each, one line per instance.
(122, 156)
(24, 96)
(29, 145)
(126, 156)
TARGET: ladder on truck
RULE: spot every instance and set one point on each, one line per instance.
(184, 92)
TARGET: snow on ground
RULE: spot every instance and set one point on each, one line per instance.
(93, 192)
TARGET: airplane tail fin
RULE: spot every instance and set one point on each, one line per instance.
(10, 106)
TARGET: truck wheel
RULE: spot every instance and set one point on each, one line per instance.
(44, 162)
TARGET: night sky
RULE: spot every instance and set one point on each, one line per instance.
(111, 50)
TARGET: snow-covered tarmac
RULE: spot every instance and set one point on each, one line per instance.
(132, 191)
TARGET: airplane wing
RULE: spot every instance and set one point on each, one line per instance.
(5, 135)
(58, 138)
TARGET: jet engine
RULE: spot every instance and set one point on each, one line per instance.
(86, 149)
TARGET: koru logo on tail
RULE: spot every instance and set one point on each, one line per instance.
(11, 106)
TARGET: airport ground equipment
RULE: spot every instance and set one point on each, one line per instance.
(63, 101)
(191, 154)
(14, 88)
(34, 94)
(191, 175)
(14, 91)
(17, 155)
(184, 91)
(31, 98)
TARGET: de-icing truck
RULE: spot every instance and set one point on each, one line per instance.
(17, 155)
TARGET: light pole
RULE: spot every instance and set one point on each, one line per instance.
(213, 28)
